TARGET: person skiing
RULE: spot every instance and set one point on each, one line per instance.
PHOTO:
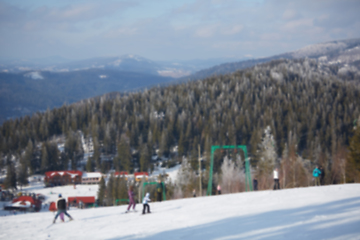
(131, 199)
(255, 183)
(159, 190)
(219, 189)
(145, 203)
(316, 175)
(61, 206)
(276, 179)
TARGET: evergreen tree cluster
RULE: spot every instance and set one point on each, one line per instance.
(299, 98)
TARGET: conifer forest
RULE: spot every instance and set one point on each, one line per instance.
(291, 114)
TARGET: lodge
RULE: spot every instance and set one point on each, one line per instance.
(91, 177)
(59, 178)
(25, 203)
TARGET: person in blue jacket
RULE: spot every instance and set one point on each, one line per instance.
(316, 175)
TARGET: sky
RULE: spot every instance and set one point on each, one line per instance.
(171, 29)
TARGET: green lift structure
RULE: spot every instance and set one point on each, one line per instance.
(248, 181)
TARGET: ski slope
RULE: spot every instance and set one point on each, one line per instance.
(327, 212)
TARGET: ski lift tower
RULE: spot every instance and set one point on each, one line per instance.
(248, 182)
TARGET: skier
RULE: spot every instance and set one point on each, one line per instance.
(255, 183)
(159, 190)
(145, 203)
(61, 206)
(276, 179)
(316, 174)
(194, 193)
(219, 189)
(131, 199)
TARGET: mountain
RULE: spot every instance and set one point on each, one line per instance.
(345, 54)
(27, 86)
(28, 92)
(129, 63)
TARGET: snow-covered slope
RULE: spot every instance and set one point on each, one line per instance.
(336, 52)
(327, 212)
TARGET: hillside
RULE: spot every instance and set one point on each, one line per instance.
(327, 212)
(309, 110)
(30, 86)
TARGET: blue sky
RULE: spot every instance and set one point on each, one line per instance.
(169, 30)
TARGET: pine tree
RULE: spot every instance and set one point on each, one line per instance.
(267, 158)
(29, 156)
(116, 189)
(89, 165)
(23, 173)
(353, 162)
(124, 153)
(101, 192)
(231, 176)
(10, 180)
(122, 192)
(44, 158)
(110, 197)
(144, 158)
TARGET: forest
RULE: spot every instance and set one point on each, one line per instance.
(291, 114)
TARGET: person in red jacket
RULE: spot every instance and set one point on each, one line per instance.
(61, 207)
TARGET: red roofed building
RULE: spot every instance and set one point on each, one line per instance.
(25, 203)
(140, 175)
(81, 201)
(58, 178)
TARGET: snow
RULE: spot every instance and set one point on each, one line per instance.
(326, 212)
(171, 172)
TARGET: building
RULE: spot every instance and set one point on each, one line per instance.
(25, 203)
(91, 177)
(140, 175)
(59, 178)
(81, 202)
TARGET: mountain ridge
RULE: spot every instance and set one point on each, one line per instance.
(344, 53)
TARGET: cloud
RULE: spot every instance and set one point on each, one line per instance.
(296, 24)
(207, 31)
(64, 18)
(121, 31)
(160, 29)
(289, 14)
(233, 30)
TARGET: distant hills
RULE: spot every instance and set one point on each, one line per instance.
(345, 54)
(36, 85)
(28, 92)
(27, 86)
(128, 63)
